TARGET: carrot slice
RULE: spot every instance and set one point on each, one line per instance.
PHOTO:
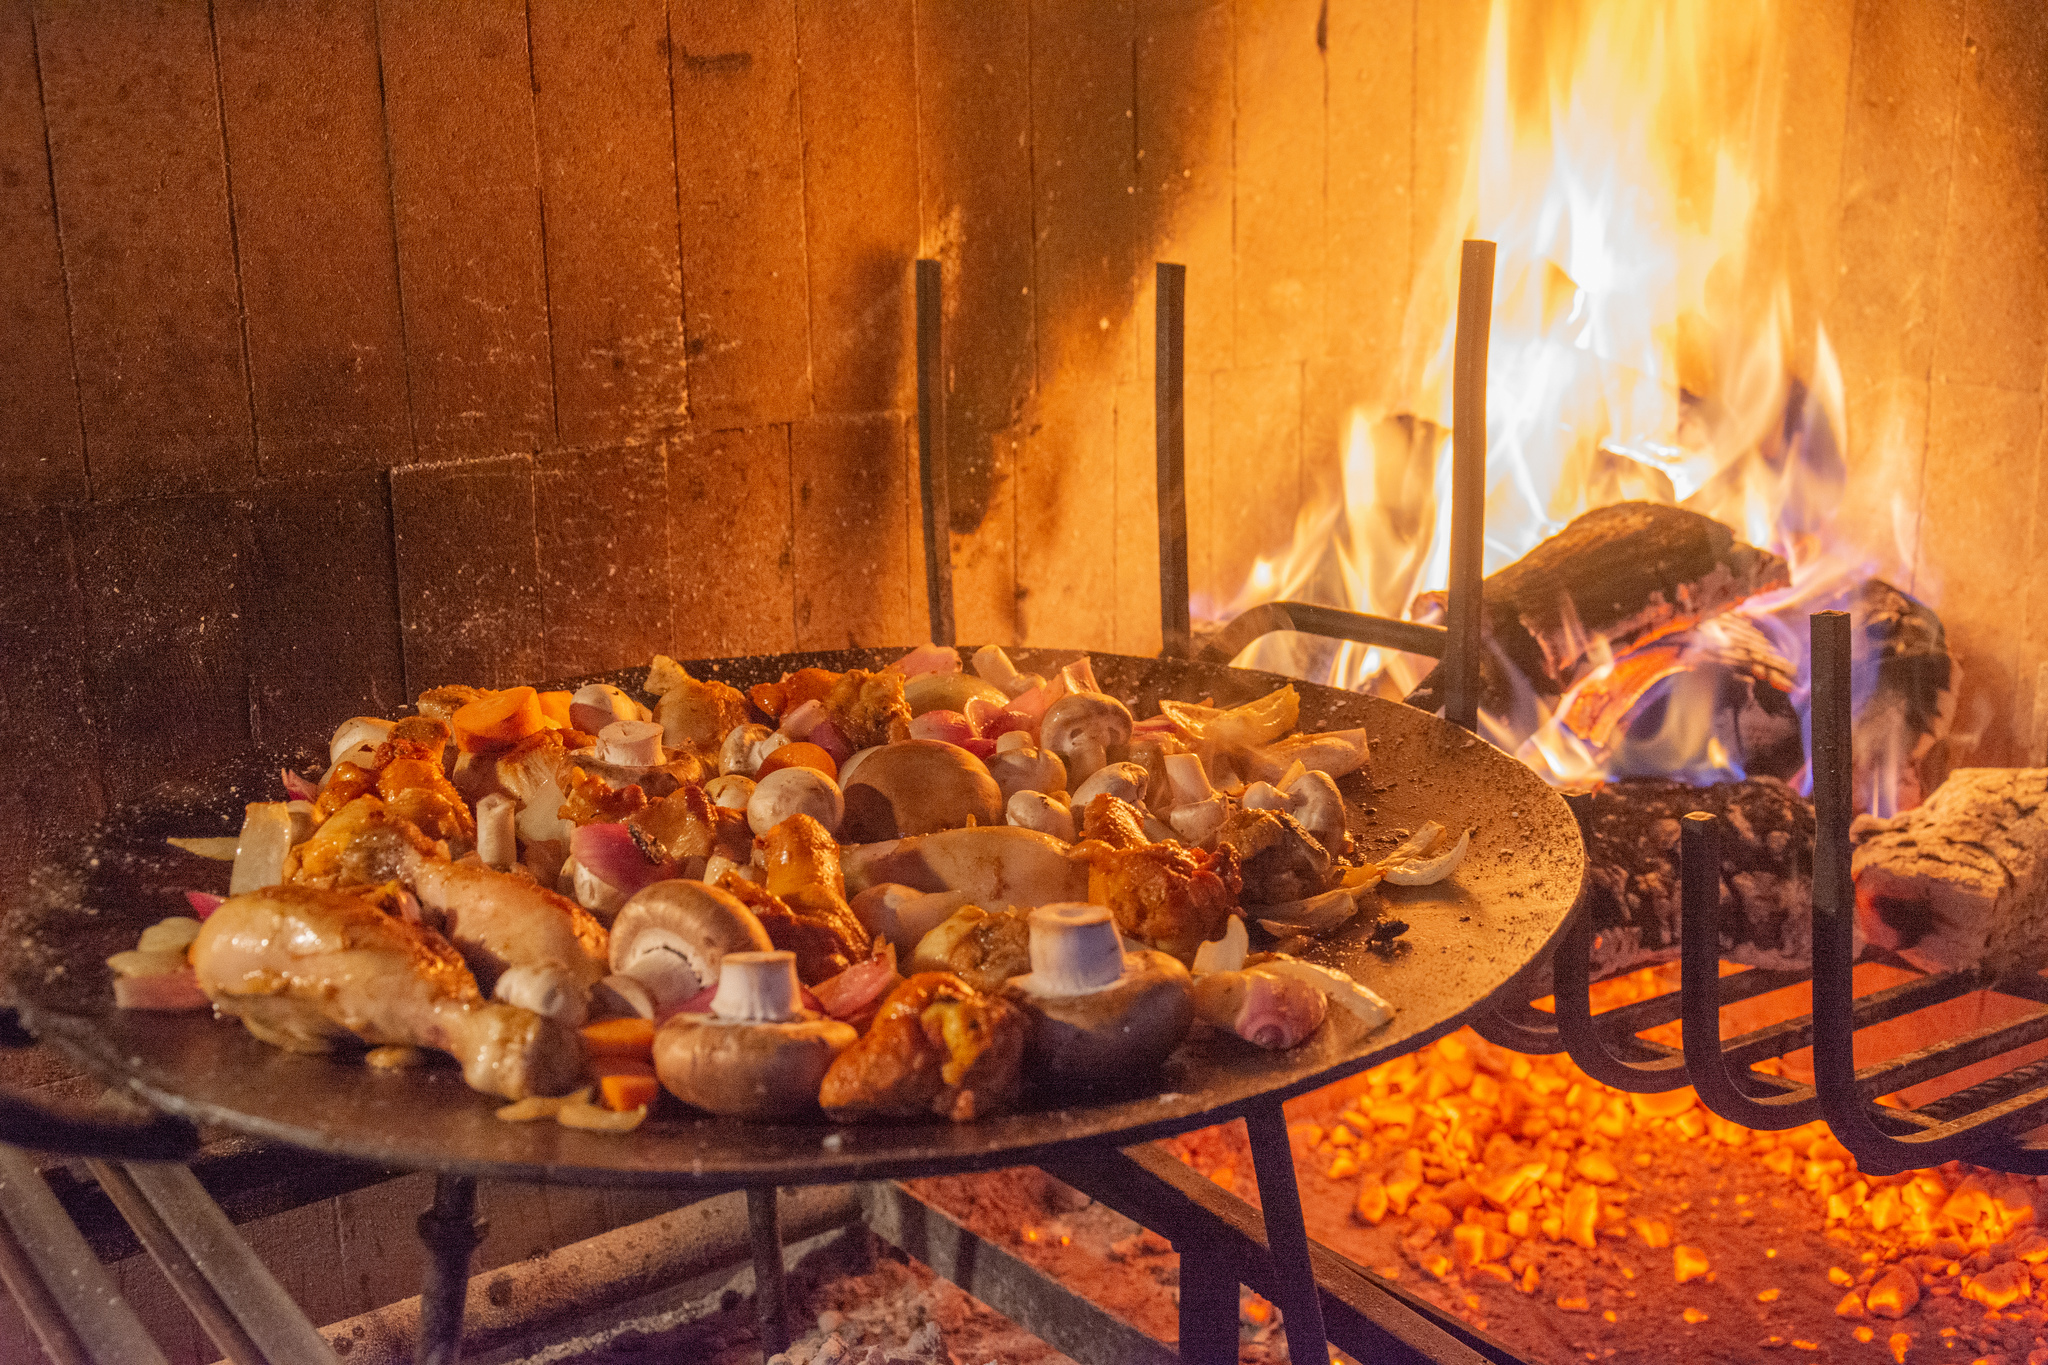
(628, 1090)
(631, 1037)
(497, 721)
(799, 755)
(555, 707)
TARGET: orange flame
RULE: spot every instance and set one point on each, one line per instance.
(1646, 345)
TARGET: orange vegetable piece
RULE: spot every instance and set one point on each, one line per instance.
(798, 756)
(631, 1038)
(555, 707)
(628, 1090)
(497, 721)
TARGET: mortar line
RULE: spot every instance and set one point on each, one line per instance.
(540, 204)
(227, 175)
(35, 47)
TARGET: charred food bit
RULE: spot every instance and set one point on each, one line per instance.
(937, 1046)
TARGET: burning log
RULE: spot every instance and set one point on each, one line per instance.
(1906, 686)
(1962, 879)
(1631, 830)
(1625, 574)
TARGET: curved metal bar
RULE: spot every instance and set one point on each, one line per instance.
(1834, 907)
(1519, 1028)
(1699, 990)
(1583, 1037)
(1411, 637)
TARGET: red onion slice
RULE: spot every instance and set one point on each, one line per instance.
(827, 737)
(800, 721)
(299, 788)
(949, 727)
(203, 903)
(614, 858)
(860, 987)
(928, 658)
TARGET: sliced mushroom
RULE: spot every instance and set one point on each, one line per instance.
(917, 786)
(1087, 730)
(1023, 767)
(745, 746)
(1100, 1017)
(1124, 781)
(598, 705)
(1036, 810)
(948, 692)
(1197, 810)
(547, 989)
(758, 1054)
(671, 937)
(356, 741)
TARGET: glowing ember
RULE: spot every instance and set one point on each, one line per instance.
(1645, 346)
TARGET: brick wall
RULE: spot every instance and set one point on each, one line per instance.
(356, 348)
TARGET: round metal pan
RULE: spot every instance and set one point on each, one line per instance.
(1466, 938)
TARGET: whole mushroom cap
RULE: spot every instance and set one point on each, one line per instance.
(1086, 729)
(917, 786)
(748, 1070)
(672, 935)
(791, 791)
(1119, 1035)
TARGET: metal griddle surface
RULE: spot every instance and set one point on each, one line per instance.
(1467, 937)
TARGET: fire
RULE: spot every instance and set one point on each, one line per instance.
(1646, 345)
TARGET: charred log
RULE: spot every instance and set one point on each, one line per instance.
(1631, 830)
(1906, 693)
(1626, 574)
(1962, 879)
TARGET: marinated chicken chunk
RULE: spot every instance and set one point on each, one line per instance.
(937, 1046)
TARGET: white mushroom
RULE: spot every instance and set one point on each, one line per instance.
(1022, 766)
(758, 1054)
(1036, 810)
(994, 666)
(1124, 781)
(597, 705)
(1198, 809)
(791, 791)
(745, 746)
(619, 996)
(631, 744)
(1266, 796)
(1087, 730)
(497, 842)
(732, 791)
(1100, 1017)
(672, 936)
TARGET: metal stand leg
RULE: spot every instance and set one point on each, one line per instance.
(1301, 1305)
(451, 1231)
(771, 1289)
(1208, 1304)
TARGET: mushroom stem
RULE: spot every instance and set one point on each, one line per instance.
(630, 744)
(497, 841)
(757, 988)
(1075, 949)
(1190, 782)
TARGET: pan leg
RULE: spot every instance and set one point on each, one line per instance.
(451, 1231)
(771, 1290)
(1208, 1305)
(1301, 1304)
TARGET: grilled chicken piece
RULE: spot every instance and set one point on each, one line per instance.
(868, 708)
(414, 785)
(361, 844)
(981, 948)
(1114, 821)
(501, 920)
(307, 969)
(1164, 894)
(937, 1046)
(695, 716)
(1278, 859)
(802, 864)
(686, 825)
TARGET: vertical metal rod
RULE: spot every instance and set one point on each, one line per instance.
(931, 457)
(1301, 1304)
(451, 1231)
(1169, 416)
(1834, 898)
(771, 1286)
(1208, 1304)
(1468, 483)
